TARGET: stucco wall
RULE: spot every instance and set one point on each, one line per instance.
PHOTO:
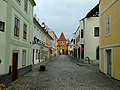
(111, 41)
(91, 42)
(3, 15)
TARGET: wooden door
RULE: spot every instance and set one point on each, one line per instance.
(14, 66)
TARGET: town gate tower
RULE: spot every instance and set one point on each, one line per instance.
(62, 45)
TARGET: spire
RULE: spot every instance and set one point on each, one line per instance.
(62, 37)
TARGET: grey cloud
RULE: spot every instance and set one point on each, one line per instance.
(63, 15)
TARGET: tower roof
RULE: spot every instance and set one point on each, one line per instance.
(62, 37)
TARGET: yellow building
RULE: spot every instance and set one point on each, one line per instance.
(48, 44)
(53, 50)
(110, 37)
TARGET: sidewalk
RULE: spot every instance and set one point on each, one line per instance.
(82, 62)
(35, 68)
(63, 74)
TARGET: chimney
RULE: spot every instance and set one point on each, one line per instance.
(43, 24)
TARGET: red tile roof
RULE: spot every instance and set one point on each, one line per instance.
(62, 37)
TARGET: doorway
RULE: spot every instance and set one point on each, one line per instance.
(97, 53)
(75, 52)
(79, 52)
(82, 51)
(109, 60)
(62, 51)
(14, 66)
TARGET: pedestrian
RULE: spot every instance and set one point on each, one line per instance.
(2, 87)
(87, 59)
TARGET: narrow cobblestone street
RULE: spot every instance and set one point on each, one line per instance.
(64, 74)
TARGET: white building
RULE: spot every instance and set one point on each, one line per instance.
(91, 34)
(87, 36)
(38, 41)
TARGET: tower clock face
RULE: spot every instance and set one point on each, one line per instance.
(62, 42)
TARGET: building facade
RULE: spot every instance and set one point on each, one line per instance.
(62, 45)
(53, 50)
(109, 38)
(3, 21)
(86, 37)
(91, 34)
(38, 42)
(70, 48)
(49, 40)
(17, 19)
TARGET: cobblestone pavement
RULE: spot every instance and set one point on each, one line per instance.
(64, 74)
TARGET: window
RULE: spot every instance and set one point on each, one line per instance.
(50, 42)
(108, 25)
(24, 31)
(39, 55)
(62, 43)
(2, 26)
(74, 41)
(23, 58)
(17, 27)
(96, 31)
(81, 33)
(36, 53)
(26, 5)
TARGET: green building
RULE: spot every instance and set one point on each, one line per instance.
(16, 25)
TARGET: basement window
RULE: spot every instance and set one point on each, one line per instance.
(2, 26)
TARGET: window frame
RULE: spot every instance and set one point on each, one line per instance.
(73, 41)
(82, 33)
(62, 43)
(2, 26)
(24, 59)
(96, 35)
(25, 31)
(108, 25)
(26, 5)
(16, 32)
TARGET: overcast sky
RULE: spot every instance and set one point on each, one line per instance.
(63, 15)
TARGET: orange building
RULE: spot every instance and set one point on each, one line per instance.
(62, 45)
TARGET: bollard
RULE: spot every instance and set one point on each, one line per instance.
(87, 59)
(42, 68)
